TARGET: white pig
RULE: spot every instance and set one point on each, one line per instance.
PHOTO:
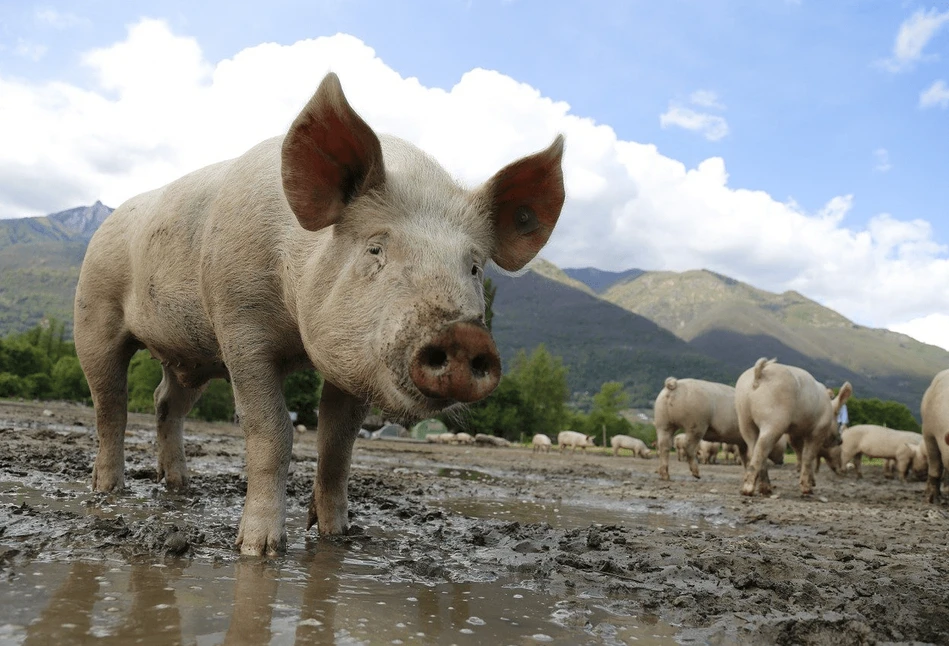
(634, 444)
(935, 412)
(329, 247)
(574, 439)
(540, 443)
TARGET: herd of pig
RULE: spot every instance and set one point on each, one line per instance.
(357, 254)
(772, 406)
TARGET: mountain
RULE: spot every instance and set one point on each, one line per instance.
(39, 264)
(597, 340)
(598, 280)
(737, 323)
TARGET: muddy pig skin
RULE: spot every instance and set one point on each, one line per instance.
(329, 247)
(637, 446)
(573, 439)
(540, 443)
(772, 399)
(935, 412)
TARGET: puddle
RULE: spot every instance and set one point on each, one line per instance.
(324, 594)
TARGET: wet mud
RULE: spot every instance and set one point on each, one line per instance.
(455, 544)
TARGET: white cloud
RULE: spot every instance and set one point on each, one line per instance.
(932, 329)
(913, 36)
(936, 95)
(881, 157)
(160, 109)
(710, 126)
(706, 99)
(29, 50)
(58, 19)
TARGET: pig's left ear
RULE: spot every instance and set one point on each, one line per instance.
(525, 198)
(845, 392)
(330, 156)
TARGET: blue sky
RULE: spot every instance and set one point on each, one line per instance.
(818, 105)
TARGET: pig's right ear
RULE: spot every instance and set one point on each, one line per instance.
(330, 156)
(526, 198)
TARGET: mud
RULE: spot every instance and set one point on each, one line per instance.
(455, 544)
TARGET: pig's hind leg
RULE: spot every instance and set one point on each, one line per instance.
(173, 402)
(340, 417)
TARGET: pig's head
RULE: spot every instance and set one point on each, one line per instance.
(391, 302)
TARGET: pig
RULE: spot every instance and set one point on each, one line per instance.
(329, 247)
(463, 438)
(731, 453)
(540, 443)
(680, 441)
(637, 446)
(574, 439)
(830, 455)
(708, 452)
(704, 410)
(772, 399)
(910, 457)
(490, 440)
(935, 413)
(881, 442)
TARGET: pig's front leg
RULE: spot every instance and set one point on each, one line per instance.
(340, 417)
(268, 433)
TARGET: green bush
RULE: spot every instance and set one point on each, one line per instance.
(11, 385)
(302, 391)
(69, 382)
(144, 376)
(38, 386)
(216, 404)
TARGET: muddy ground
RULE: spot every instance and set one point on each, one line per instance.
(456, 545)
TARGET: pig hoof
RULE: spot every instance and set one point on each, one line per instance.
(748, 489)
(663, 475)
(175, 479)
(107, 480)
(263, 544)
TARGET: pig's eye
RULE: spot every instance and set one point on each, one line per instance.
(475, 270)
(375, 249)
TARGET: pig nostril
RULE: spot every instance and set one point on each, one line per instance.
(480, 366)
(433, 357)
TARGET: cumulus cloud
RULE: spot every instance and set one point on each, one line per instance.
(913, 36)
(935, 96)
(711, 126)
(881, 158)
(932, 329)
(160, 108)
(706, 99)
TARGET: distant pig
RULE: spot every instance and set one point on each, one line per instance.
(708, 452)
(935, 410)
(574, 439)
(329, 247)
(637, 446)
(463, 438)
(680, 441)
(540, 443)
(881, 442)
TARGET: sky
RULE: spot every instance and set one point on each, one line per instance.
(791, 144)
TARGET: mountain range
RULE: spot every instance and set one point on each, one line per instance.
(636, 327)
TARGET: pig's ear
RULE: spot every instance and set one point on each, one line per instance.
(845, 392)
(330, 156)
(526, 198)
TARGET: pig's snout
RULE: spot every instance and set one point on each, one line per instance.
(459, 363)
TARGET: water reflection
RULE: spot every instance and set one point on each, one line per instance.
(327, 593)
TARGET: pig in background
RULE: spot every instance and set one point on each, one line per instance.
(708, 452)
(874, 441)
(330, 247)
(574, 439)
(772, 399)
(935, 413)
(637, 446)
(540, 442)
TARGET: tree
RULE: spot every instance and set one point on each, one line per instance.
(503, 413)
(216, 403)
(144, 375)
(542, 381)
(882, 413)
(69, 382)
(302, 390)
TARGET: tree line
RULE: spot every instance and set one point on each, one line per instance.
(532, 396)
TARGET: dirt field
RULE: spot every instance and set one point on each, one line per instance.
(456, 545)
